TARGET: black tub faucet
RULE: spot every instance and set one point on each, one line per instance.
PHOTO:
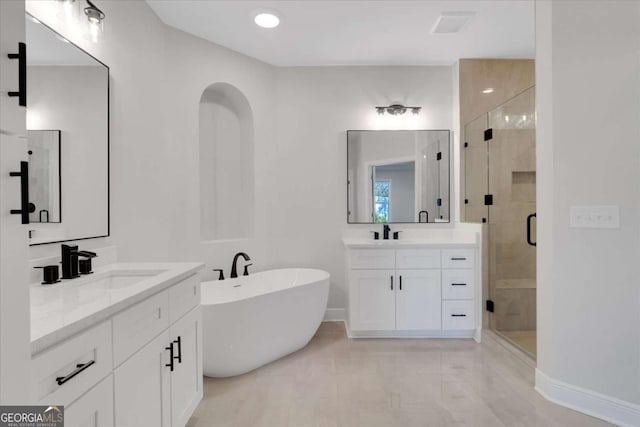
(385, 231)
(234, 267)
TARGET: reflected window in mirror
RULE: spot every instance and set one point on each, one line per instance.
(398, 176)
(67, 91)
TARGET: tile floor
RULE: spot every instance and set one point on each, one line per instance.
(335, 381)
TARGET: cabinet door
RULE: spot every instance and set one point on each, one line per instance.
(418, 300)
(186, 379)
(372, 300)
(142, 387)
(94, 408)
(14, 250)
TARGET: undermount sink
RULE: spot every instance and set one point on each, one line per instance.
(118, 279)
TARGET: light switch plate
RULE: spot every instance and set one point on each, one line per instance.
(594, 217)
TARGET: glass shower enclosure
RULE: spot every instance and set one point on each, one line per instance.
(500, 191)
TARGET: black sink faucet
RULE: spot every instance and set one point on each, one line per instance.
(385, 231)
(70, 254)
(234, 268)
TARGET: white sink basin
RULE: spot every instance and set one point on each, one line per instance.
(119, 279)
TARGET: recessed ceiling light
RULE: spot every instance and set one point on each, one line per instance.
(266, 20)
(488, 90)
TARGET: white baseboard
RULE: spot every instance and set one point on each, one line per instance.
(607, 408)
(334, 315)
(410, 334)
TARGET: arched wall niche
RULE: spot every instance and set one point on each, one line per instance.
(226, 164)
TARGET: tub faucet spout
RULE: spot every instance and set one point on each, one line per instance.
(234, 266)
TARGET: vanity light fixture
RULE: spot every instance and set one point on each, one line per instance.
(267, 20)
(95, 17)
(397, 109)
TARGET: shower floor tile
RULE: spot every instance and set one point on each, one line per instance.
(526, 340)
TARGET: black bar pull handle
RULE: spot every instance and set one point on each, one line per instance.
(179, 342)
(391, 282)
(171, 357)
(400, 282)
(79, 368)
(21, 56)
(458, 284)
(458, 315)
(25, 208)
(529, 219)
(460, 258)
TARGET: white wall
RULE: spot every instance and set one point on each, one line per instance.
(588, 152)
(315, 107)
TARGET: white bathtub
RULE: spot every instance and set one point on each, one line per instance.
(253, 320)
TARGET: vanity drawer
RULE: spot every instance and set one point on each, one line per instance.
(458, 284)
(458, 258)
(138, 325)
(373, 259)
(183, 297)
(64, 372)
(418, 258)
(458, 315)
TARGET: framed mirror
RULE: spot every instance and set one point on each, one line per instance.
(68, 138)
(398, 176)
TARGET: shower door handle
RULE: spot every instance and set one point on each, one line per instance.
(529, 219)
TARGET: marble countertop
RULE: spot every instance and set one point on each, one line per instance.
(370, 243)
(61, 310)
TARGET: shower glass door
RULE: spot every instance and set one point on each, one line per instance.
(500, 192)
(512, 183)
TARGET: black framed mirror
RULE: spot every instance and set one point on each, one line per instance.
(68, 101)
(398, 176)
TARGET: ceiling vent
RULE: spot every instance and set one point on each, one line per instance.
(452, 22)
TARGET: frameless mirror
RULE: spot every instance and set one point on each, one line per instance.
(397, 176)
(68, 133)
(44, 175)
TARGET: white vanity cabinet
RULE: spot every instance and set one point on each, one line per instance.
(412, 291)
(140, 367)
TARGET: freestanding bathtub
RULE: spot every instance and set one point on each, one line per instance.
(253, 320)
